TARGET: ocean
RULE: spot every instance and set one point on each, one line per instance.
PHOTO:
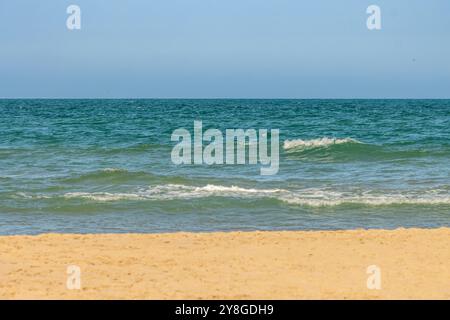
(104, 166)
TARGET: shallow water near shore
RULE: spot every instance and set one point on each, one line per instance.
(95, 166)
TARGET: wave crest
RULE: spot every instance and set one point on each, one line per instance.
(306, 197)
(177, 191)
(380, 200)
(319, 142)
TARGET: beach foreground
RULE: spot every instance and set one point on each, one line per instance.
(414, 264)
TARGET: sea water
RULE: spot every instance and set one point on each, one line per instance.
(94, 166)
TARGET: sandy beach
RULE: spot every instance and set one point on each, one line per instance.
(413, 264)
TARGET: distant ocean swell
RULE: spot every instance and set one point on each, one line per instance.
(348, 149)
(339, 149)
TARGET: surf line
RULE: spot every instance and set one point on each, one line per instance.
(237, 143)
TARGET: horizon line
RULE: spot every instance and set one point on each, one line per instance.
(215, 98)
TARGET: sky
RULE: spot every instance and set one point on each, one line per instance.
(224, 49)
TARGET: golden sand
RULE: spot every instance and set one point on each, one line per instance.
(413, 264)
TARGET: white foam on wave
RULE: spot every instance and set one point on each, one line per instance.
(317, 197)
(319, 142)
(174, 191)
(378, 200)
(113, 170)
(103, 196)
(306, 197)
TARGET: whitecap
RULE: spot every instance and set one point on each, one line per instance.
(176, 191)
(313, 197)
(319, 142)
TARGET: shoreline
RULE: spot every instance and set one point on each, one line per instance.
(413, 264)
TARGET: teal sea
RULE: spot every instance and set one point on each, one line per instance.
(104, 166)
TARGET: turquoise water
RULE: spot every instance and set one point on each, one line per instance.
(105, 166)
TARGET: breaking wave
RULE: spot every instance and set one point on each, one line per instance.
(320, 142)
(173, 191)
(314, 197)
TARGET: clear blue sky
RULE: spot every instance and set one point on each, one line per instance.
(225, 48)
